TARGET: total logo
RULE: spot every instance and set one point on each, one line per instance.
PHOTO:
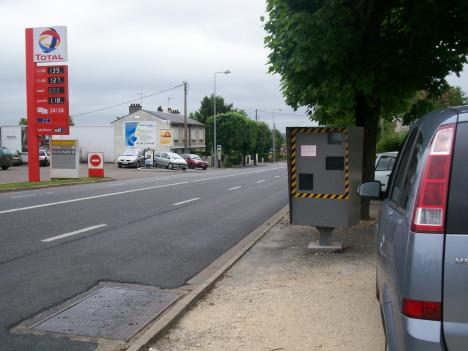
(50, 44)
(49, 40)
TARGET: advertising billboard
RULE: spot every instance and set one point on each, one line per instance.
(165, 137)
(140, 135)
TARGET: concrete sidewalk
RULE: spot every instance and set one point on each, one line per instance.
(279, 296)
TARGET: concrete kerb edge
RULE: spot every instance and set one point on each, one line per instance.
(177, 311)
(13, 190)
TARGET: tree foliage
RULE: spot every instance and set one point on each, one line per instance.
(359, 61)
(234, 131)
(206, 108)
(423, 102)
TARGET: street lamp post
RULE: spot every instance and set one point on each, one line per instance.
(273, 135)
(215, 150)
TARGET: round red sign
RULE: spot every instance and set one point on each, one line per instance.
(95, 160)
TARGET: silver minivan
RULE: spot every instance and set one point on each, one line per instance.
(422, 237)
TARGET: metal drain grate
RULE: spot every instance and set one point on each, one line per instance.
(110, 313)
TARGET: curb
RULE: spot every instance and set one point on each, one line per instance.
(219, 267)
(36, 187)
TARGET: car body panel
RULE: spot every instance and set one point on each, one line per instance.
(6, 158)
(44, 158)
(195, 161)
(131, 158)
(384, 164)
(455, 297)
(415, 265)
(169, 159)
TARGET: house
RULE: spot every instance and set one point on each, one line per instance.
(157, 130)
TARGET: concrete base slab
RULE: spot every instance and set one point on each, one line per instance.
(334, 246)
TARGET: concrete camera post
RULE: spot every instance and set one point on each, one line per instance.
(324, 166)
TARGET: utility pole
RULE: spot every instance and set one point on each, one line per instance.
(256, 116)
(273, 135)
(215, 147)
(186, 150)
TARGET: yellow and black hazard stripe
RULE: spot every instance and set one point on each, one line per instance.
(298, 194)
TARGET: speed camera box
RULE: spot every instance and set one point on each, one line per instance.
(324, 169)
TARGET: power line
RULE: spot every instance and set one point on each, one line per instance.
(284, 113)
(127, 102)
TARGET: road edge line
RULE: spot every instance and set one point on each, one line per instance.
(168, 319)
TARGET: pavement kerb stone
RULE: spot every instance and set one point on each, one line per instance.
(54, 185)
(163, 323)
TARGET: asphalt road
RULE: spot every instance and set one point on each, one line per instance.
(59, 242)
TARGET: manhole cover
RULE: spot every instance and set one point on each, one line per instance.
(111, 313)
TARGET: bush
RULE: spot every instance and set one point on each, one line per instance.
(391, 142)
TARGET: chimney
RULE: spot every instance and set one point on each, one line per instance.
(133, 108)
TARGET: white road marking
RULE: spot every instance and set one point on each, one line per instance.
(73, 233)
(129, 191)
(186, 201)
(261, 181)
(18, 196)
(277, 176)
(236, 187)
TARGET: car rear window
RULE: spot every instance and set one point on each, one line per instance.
(457, 218)
(385, 163)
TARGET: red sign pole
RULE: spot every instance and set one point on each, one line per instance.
(33, 142)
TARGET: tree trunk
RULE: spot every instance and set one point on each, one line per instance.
(367, 111)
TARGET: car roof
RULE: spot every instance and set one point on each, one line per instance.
(388, 153)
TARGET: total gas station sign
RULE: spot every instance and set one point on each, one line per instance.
(47, 89)
(50, 44)
(51, 99)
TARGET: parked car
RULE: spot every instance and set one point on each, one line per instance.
(17, 160)
(6, 158)
(169, 160)
(195, 161)
(131, 158)
(422, 237)
(44, 158)
(384, 163)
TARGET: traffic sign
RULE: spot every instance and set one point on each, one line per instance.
(95, 164)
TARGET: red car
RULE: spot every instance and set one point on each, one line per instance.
(195, 161)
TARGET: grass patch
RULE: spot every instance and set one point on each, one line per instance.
(51, 183)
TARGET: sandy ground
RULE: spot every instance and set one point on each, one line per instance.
(279, 296)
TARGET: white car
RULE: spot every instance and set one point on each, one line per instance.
(384, 163)
(44, 159)
(131, 158)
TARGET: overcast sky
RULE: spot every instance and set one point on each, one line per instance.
(118, 49)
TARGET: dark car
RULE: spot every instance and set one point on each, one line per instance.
(195, 161)
(422, 237)
(17, 161)
(6, 158)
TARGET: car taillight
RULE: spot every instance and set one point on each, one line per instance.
(422, 309)
(431, 201)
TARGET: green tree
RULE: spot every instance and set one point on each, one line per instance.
(423, 102)
(358, 60)
(263, 138)
(206, 108)
(234, 131)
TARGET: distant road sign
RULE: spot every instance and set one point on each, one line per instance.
(218, 147)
